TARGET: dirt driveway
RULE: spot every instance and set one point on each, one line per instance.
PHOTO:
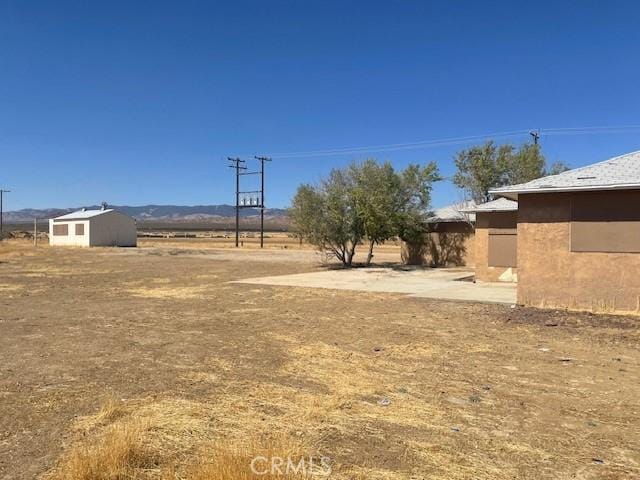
(387, 386)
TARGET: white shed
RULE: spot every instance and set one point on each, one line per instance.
(93, 228)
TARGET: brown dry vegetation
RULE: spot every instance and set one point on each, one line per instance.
(146, 363)
(272, 241)
(119, 453)
(118, 444)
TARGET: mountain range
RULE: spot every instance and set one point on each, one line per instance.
(152, 213)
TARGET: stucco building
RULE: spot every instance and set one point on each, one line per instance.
(578, 237)
(92, 228)
(450, 241)
(495, 240)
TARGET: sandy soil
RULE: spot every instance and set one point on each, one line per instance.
(387, 386)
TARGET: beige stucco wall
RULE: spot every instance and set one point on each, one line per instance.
(550, 275)
(485, 221)
(449, 244)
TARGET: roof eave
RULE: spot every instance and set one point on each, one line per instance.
(489, 210)
(513, 194)
(449, 220)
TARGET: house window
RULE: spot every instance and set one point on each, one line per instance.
(61, 230)
(503, 248)
(79, 228)
(607, 222)
(503, 239)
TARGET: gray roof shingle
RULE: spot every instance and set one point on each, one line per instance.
(621, 172)
(456, 212)
(498, 205)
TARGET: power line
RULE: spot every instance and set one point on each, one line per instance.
(592, 130)
(596, 128)
(397, 146)
(459, 141)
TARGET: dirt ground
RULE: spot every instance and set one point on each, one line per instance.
(387, 386)
(251, 240)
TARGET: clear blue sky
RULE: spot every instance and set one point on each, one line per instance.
(139, 102)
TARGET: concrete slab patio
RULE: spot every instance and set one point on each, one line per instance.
(441, 283)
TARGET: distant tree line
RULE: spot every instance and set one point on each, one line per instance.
(368, 203)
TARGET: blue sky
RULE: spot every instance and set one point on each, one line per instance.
(140, 102)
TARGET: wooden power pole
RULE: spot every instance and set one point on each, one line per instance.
(237, 165)
(2, 192)
(262, 160)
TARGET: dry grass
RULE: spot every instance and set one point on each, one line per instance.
(168, 441)
(169, 292)
(5, 287)
(390, 388)
(12, 249)
(216, 439)
(117, 455)
(112, 409)
(280, 457)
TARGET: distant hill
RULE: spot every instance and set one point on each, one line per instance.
(154, 213)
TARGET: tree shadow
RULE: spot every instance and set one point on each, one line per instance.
(439, 249)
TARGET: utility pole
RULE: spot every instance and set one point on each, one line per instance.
(238, 165)
(536, 135)
(262, 160)
(252, 196)
(2, 192)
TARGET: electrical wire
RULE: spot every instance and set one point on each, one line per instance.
(455, 141)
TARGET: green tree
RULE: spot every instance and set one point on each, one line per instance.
(367, 201)
(484, 167)
(415, 200)
(376, 194)
(326, 216)
(480, 169)
(556, 167)
(522, 165)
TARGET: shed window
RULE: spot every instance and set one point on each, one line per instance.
(605, 222)
(61, 230)
(79, 228)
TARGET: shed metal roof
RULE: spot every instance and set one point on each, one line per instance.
(622, 172)
(83, 214)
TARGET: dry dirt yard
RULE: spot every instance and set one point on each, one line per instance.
(387, 386)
